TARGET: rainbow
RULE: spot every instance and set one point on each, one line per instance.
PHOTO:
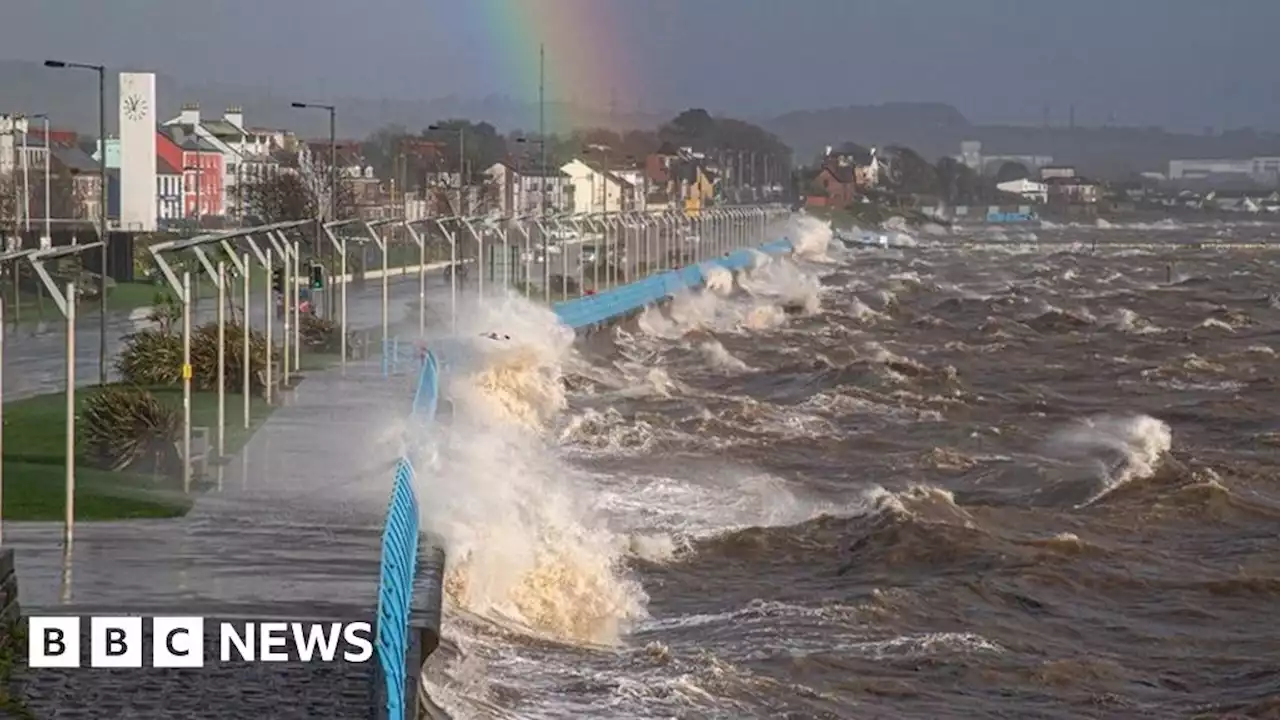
(585, 66)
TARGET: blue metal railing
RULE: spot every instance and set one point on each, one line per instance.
(603, 306)
(399, 566)
(400, 536)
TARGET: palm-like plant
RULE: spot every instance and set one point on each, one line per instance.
(127, 428)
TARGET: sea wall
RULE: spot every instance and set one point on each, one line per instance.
(590, 311)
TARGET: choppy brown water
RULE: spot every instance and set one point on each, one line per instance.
(1014, 483)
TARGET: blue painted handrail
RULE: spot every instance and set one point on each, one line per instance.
(603, 306)
(399, 565)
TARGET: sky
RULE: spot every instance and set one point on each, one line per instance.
(1179, 63)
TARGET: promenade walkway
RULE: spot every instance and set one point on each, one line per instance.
(292, 534)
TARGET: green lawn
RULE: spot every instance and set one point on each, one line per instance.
(122, 298)
(34, 468)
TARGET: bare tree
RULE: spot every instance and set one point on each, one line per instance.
(296, 194)
(8, 205)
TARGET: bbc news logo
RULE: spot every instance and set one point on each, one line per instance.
(179, 642)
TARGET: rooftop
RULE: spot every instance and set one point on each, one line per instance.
(75, 159)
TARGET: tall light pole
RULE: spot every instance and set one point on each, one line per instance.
(48, 166)
(333, 180)
(102, 207)
(542, 201)
(462, 158)
(541, 144)
(26, 178)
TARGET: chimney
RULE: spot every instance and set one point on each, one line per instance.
(190, 114)
(235, 116)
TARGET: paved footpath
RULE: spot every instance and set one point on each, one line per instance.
(292, 534)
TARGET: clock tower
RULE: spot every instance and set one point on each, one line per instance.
(137, 192)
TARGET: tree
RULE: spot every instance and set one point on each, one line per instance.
(959, 184)
(66, 197)
(1010, 171)
(484, 146)
(692, 128)
(910, 173)
(8, 205)
(948, 172)
(697, 129)
(297, 194)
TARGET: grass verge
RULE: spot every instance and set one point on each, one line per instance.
(121, 298)
(34, 470)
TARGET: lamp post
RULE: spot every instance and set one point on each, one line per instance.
(333, 180)
(102, 205)
(542, 145)
(26, 179)
(48, 184)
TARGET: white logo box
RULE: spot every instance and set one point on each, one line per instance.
(190, 641)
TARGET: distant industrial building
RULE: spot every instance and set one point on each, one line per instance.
(972, 157)
(1262, 170)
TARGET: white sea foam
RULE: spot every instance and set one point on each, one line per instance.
(524, 545)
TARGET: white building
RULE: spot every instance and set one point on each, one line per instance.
(1264, 170)
(168, 192)
(971, 155)
(1029, 189)
(522, 191)
(639, 186)
(596, 190)
(248, 155)
(15, 138)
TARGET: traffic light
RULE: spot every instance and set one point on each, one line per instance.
(277, 280)
(317, 276)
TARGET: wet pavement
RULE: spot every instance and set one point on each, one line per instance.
(291, 532)
(294, 517)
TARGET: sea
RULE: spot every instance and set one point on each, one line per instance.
(976, 473)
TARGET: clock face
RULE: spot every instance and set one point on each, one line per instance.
(135, 107)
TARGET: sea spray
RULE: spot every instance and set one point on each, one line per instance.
(810, 238)
(524, 546)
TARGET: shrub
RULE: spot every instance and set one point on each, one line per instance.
(151, 357)
(127, 428)
(321, 334)
(204, 358)
(166, 313)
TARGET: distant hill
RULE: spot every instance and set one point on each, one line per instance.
(932, 129)
(935, 130)
(70, 98)
(926, 127)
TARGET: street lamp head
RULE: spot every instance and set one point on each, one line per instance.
(299, 105)
(54, 64)
(433, 127)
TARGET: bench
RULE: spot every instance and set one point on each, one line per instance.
(200, 449)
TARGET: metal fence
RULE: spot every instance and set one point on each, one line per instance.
(399, 566)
